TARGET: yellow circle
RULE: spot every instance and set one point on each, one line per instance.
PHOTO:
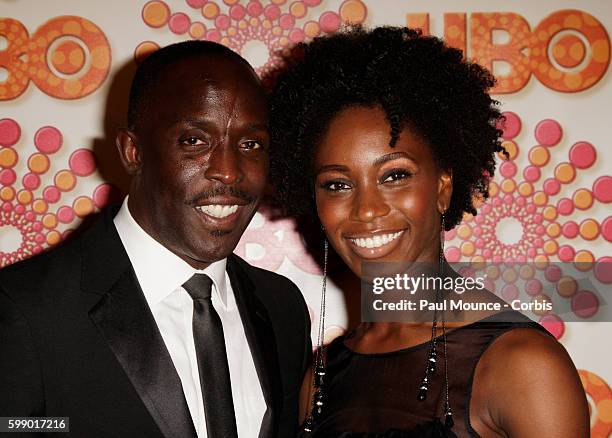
(83, 206)
(540, 299)
(143, 50)
(311, 29)
(567, 286)
(71, 28)
(38, 163)
(583, 199)
(197, 30)
(49, 220)
(493, 272)
(7, 193)
(604, 411)
(508, 185)
(478, 262)
(541, 261)
(467, 248)
(553, 230)
(583, 260)
(493, 189)
(65, 180)
(53, 237)
(24, 196)
(210, 10)
(551, 247)
(509, 275)
(39, 206)
(8, 157)
(72, 87)
(155, 13)
(100, 58)
(525, 188)
(511, 148)
(589, 229)
(540, 198)
(353, 11)
(565, 173)
(539, 156)
(526, 272)
(297, 9)
(549, 213)
(464, 231)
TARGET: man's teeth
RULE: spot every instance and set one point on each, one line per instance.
(216, 210)
(376, 241)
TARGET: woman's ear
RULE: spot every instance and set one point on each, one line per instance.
(129, 152)
(445, 190)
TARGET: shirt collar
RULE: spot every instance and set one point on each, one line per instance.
(158, 270)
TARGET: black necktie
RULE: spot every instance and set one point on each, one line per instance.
(212, 360)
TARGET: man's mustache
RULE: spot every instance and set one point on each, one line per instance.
(224, 191)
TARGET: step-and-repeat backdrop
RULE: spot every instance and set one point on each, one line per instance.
(65, 68)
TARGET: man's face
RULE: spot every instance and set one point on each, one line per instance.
(203, 158)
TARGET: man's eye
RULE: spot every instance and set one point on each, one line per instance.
(335, 186)
(193, 141)
(396, 175)
(250, 145)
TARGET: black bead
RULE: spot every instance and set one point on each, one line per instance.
(449, 422)
(422, 395)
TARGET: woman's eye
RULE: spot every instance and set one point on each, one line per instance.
(335, 186)
(193, 141)
(250, 145)
(396, 175)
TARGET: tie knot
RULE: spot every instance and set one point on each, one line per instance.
(199, 287)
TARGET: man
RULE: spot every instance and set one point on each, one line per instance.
(147, 325)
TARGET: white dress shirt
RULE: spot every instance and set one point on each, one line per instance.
(161, 273)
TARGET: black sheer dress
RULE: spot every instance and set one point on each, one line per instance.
(375, 395)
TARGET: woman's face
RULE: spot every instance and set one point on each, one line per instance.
(378, 203)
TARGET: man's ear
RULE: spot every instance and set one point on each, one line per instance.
(129, 152)
(445, 190)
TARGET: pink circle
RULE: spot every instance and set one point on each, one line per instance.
(551, 186)
(272, 12)
(553, 273)
(312, 3)
(51, 194)
(496, 202)
(508, 199)
(553, 324)
(582, 155)
(530, 208)
(449, 235)
(38, 249)
(511, 125)
(6, 206)
(39, 238)
(452, 253)
(565, 206)
(30, 181)
(487, 253)
(20, 209)
(509, 292)
(296, 35)
(548, 132)
(329, 21)
(37, 226)
(30, 216)
(105, 194)
(540, 230)
(222, 21)
(531, 173)
(237, 12)
(570, 229)
(603, 270)
(602, 189)
(566, 253)
(533, 287)
(606, 228)
(179, 23)
(65, 214)
(479, 243)
(213, 35)
(537, 218)
(10, 132)
(585, 304)
(48, 139)
(507, 169)
(521, 201)
(286, 21)
(486, 208)
(82, 162)
(254, 8)
(196, 3)
(7, 177)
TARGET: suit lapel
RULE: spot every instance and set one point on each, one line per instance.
(123, 317)
(261, 340)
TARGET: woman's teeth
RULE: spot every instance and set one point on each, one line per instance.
(216, 210)
(376, 241)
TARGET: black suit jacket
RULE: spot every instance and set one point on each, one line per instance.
(78, 340)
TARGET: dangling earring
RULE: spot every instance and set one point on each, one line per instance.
(448, 413)
(318, 377)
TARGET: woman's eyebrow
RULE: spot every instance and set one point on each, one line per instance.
(331, 167)
(389, 157)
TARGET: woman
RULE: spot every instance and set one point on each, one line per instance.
(391, 136)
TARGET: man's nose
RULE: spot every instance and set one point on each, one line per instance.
(368, 205)
(224, 165)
